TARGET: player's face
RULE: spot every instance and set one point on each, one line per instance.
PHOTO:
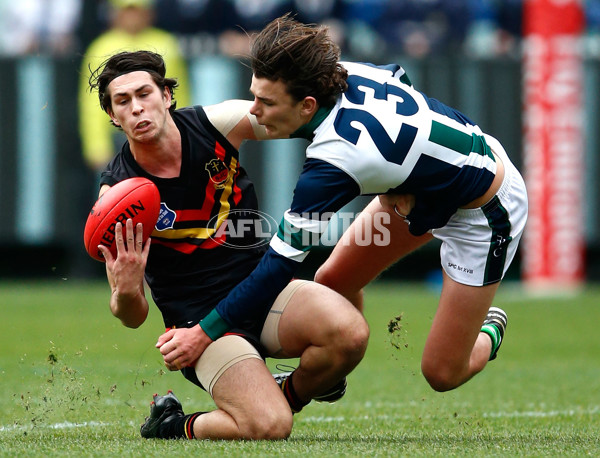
(275, 109)
(139, 106)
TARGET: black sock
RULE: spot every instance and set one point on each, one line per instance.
(181, 427)
(290, 394)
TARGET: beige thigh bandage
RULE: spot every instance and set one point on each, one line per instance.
(220, 356)
(269, 336)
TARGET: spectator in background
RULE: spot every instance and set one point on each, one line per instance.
(198, 24)
(361, 21)
(255, 14)
(317, 11)
(592, 35)
(433, 26)
(325, 12)
(224, 26)
(417, 28)
(495, 28)
(38, 26)
(131, 28)
(249, 16)
(217, 26)
(375, 29)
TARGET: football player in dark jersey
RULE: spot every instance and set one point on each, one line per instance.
(190, 264)
(435, 172)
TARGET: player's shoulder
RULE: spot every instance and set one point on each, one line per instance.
(233, 108)
(374, 71)
(191, 116)
(219, 122)
(233, 119)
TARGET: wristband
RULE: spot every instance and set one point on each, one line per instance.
(213, 325)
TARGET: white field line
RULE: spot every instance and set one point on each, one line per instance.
(61, 425)
(592, 410)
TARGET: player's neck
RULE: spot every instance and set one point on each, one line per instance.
(161, 157)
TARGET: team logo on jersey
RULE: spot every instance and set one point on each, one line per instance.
(166, 218)
(218, 173)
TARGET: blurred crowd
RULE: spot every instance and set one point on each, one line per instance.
(362, 27)
(369, 30)
(416, 28)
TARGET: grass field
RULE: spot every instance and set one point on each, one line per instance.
(75, 382)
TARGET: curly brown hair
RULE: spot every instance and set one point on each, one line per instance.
(127, 62)
(302, 56)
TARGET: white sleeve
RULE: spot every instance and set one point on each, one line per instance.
(226, 115)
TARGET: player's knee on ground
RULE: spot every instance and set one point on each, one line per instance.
(274, 424)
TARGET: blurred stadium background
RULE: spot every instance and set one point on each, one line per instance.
(466, 53)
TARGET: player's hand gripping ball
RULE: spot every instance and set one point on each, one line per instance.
(136, 198)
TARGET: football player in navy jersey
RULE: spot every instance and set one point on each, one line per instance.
(433, 172)
(190, 265)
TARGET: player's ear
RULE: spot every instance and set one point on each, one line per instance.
(112, 117)
(168, 96)
(309, 106)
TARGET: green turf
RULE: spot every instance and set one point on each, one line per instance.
(75, 382)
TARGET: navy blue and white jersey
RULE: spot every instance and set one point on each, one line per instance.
(382, 136)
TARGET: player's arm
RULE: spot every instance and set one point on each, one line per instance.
(233, 119)
(125, 273)
(321, 190)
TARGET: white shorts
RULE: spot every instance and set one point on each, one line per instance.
(479, 244)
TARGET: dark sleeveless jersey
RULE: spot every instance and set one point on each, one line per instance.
(197, 256)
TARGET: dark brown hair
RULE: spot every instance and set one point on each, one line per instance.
(127, 62)
(302, 56)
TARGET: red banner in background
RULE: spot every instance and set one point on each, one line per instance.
(553, 245)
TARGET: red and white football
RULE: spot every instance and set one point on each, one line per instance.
(136, 198)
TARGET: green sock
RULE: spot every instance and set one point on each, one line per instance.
(494, 334)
